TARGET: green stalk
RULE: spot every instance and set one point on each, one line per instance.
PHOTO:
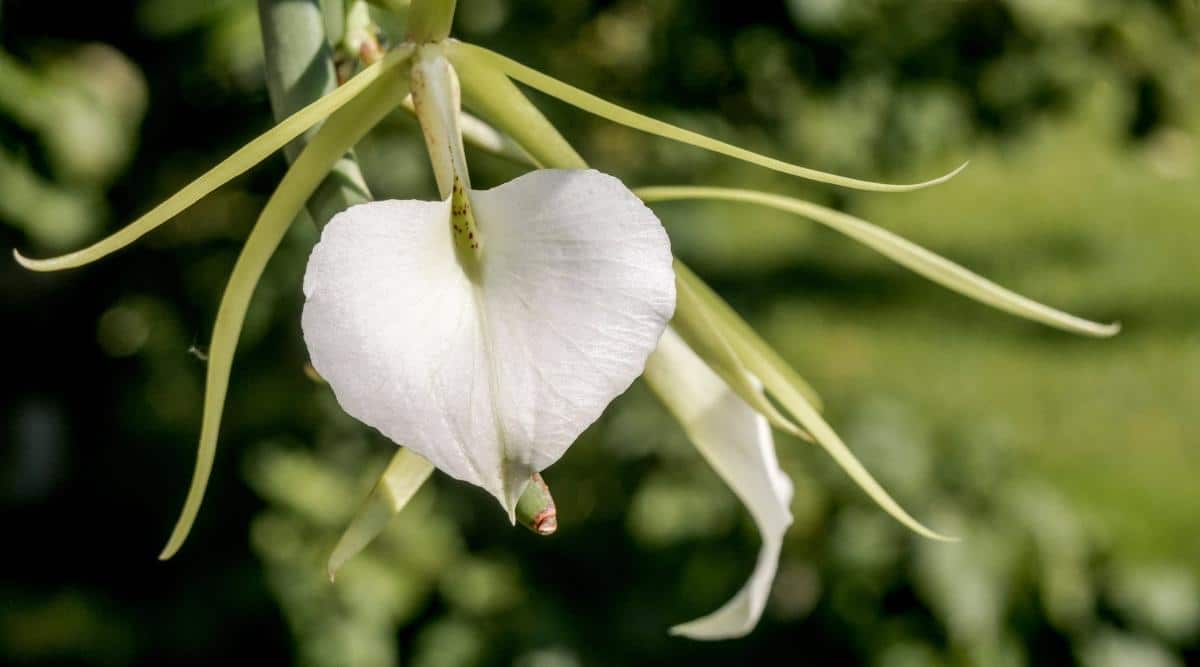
(299, 64)
(430, 20)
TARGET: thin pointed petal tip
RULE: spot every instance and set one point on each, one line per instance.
(910, 187)
(337, 559)
(1108, 330)
(684, 630)
(30, 264)
(934, 535)
(183, 526)
(405, 474)
(942, 179)
(252, 153)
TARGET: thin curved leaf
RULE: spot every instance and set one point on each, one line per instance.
(781, 381)
(936, 268)
(696, 323)
(243, 159)
(468, 56)
(339, 133)
(760, 359)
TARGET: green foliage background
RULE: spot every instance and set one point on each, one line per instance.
(1068, 465)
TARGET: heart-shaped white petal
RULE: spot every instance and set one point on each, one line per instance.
(490, 377)
(737, 443)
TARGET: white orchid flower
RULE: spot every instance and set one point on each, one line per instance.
(486, 331)
(483, 332)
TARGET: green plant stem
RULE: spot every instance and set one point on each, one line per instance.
(299, 64)
(430, 20)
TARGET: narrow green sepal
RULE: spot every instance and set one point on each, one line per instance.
(697, 324)
(759, 358)
(468, 57)
(492, 95)
(405, 474)
(339, 133)
(921, 261)
(782, 382)
(243, 159)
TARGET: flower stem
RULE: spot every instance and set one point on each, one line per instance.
(299, 64)
(429, 20)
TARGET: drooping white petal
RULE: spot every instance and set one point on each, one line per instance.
(491, 373)
(737, 443)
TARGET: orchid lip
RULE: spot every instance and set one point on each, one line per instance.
(492, 375)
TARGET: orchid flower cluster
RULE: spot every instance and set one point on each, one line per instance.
(483, 332)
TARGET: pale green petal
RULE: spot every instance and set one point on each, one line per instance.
(400, 481)
(760, 359)
(782, 383)
(340, 132)
(905, 253)
(833, 445)
(471, 58)
(491, 94)
(478, 133)
(736, 441)
(245, 157)
(696, 323)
